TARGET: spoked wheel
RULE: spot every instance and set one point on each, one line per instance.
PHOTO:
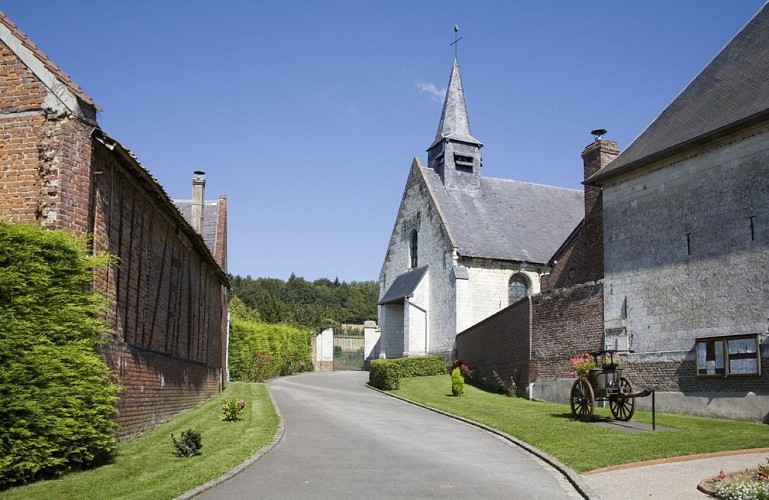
(582, 400)
(623, 407)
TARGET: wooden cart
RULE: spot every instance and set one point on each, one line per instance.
(604, 384)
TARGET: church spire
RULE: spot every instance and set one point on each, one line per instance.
(455, 153)
(454, 123)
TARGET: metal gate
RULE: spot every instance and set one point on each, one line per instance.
(348, 352)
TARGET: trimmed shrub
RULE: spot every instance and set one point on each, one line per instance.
(57, 398)
(189, 444)
(260, 351)
(457, 382)
(385, 374)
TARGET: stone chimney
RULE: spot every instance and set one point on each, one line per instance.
(198, 195)
(595, 156)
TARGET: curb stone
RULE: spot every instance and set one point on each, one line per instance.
(243, 465)
(569, 474)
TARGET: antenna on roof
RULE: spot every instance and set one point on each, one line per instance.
(457, 38)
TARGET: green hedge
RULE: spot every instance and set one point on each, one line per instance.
(57, 398)
(385, 374)
(260, 351)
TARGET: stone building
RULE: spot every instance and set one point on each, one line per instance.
(464, 246)
(167, 295)
(686, 225)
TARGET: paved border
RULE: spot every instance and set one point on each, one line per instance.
(685, 458)
(574, 478)
(242, 466)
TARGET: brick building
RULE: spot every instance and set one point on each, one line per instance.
(464, 246)
(167, 294)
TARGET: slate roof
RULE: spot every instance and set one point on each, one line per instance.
(210, 219)
(49, 65)
(732, 90)
(454, 122)
(403, 286)
(507, 219)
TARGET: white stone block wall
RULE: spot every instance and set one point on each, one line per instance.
(679, 257)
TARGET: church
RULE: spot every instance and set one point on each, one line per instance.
(464, 246)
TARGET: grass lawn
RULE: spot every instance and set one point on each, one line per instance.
(582, 446)
(147, 467)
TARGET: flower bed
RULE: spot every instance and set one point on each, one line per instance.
(748, 484)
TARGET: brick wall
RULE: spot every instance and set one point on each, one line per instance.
(565, 322)
(166, 296)
(500, 343)
(581, 258)
(533, 339)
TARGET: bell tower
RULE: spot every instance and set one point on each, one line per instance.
(455, 154)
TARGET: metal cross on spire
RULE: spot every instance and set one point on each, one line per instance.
(457, 38)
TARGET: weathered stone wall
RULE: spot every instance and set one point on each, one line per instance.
(687, 243)
(417, 212)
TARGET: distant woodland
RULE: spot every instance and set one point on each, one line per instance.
(311, 304)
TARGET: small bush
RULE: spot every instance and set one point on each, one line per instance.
(232, 409)
(385, 374)
(506, 386)
(189, 444)
(457, 382)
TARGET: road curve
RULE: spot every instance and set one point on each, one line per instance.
(343, 440)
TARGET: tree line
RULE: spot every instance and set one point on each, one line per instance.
(315, 304)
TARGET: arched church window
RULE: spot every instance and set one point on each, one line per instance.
(413, 245)
(518, 288)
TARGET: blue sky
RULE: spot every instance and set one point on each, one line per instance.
(307, 114)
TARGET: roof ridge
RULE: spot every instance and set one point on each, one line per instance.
(47, 62)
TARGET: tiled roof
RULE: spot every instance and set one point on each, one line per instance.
(732, 90)
(506, 219)
(49, 65)
(210, 219)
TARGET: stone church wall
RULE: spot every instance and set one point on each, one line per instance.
(418, 213)
(687, 244)
(166, 298)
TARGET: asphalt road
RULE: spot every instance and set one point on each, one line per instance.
(343, 440)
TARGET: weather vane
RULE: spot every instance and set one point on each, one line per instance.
(457, 38)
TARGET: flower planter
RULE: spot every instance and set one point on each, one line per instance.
(599, 378)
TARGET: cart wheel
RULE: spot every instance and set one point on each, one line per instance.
(623, 407)
(582, 400)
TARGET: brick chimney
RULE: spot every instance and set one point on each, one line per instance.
(595, 156)
(198, 193)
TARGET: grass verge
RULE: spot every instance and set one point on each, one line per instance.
(147, 467)
(582, 446)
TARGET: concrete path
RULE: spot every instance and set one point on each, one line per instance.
(343, 440)
(673, 478)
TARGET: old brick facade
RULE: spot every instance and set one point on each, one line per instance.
(166, 292)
